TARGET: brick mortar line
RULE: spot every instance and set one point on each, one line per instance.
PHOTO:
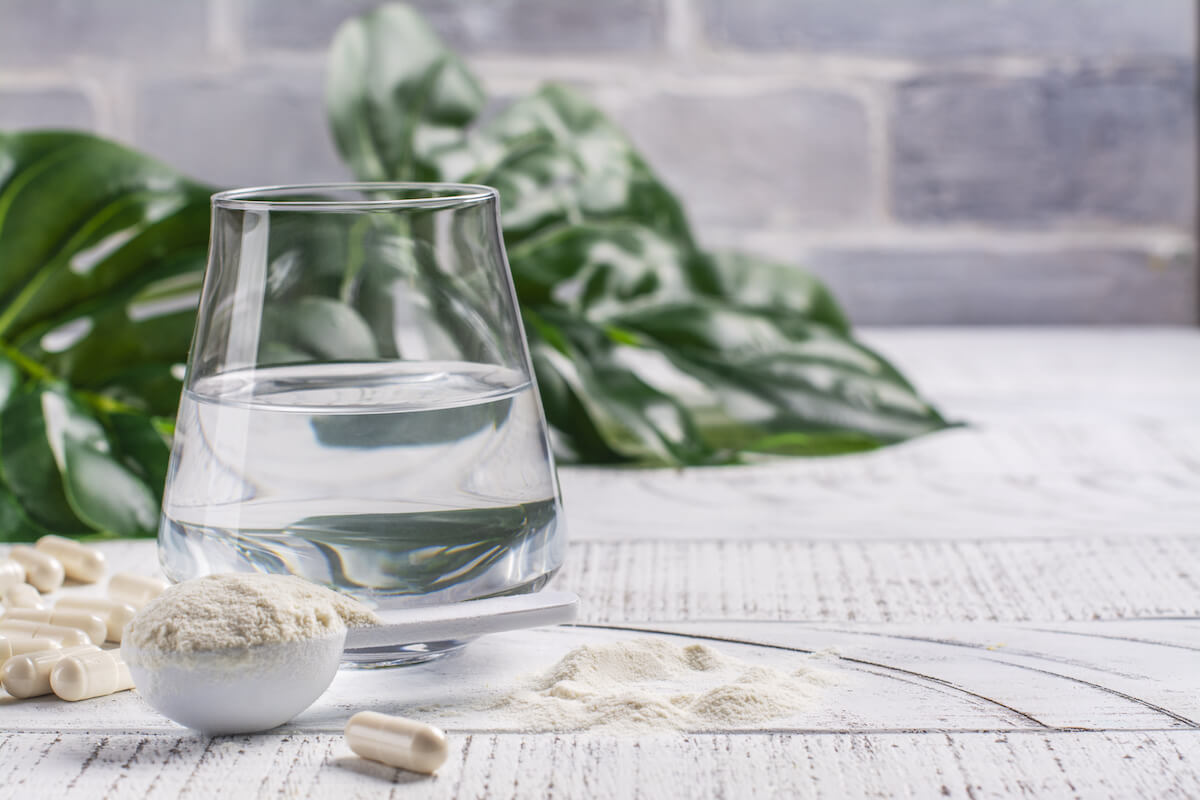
(44, 79)
(768, 73)
(682, 32)
(876, 102)
(226, 31)
(698, 74)
(947, 237)
(767, 64)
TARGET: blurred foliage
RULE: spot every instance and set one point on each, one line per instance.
(647, 349)
(101, 253)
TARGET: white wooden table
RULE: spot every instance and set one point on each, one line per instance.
(1015, 607)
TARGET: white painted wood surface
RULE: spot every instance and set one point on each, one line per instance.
(1013, 610)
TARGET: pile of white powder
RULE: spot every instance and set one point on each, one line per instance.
(236, 611)
(654, 684)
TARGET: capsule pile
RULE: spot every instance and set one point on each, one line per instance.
(61, 649)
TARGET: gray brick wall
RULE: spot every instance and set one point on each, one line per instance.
(1058, 148)
(248, 128)
(957, 161)
(927, 29)
(752, 159)
(504, 26)
(143, 34)
(45, 108)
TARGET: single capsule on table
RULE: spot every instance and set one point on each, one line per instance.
(135, 590)
(28, 675)
(88, 675)
(115, 615)
(11, 573)
(22, 596)
(67, 637)
(42, 570)
(396, 741)
(91, 624)
(80, 562)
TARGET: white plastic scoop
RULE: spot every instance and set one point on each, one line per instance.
(243, 690)
(465, 620)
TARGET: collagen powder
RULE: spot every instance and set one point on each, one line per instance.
(241, 610)
(656, 684)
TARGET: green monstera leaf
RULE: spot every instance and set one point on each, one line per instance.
(387, 59)
(755, 357)
(646, 348)
(101, 253)
(558, 161)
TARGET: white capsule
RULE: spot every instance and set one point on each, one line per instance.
(81, 563)
(67, 637)
(22, 596)
(28, 644)
(115, 615)
(396, 741)
(135, 590)
(43, 570)
(28, 675)
(11, 573)
(91, 624)
(89, 675)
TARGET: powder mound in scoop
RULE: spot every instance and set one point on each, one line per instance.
(648, 684)
(239, 610)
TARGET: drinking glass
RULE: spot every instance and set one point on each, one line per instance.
(359, 407)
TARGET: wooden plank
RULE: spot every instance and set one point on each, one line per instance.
(1078, 676)
(1049, 480)
(872, 678)
(964, 765)
(1005, 371)
(885, 581)
(1053, 579)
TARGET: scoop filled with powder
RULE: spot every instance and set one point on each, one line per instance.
(247, 652)
(239, 653)
(233, 612)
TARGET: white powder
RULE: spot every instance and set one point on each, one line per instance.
(654, 684)
(236, 611)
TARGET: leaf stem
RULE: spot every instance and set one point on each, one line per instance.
(97, 401)
(33, 368)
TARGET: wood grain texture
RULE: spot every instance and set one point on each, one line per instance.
(881, 765)
(886, 581)
(1055, 478)
(860, 678)
(1118, 371)
(896, 580)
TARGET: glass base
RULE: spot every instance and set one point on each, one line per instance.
(370, 557)
(522, 566)
(404, 655)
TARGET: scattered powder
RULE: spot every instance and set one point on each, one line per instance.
(240, 610)
(654, 684)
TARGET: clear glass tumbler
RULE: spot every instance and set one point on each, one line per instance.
(359, 407)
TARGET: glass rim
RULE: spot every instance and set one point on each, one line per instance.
(258, 198)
